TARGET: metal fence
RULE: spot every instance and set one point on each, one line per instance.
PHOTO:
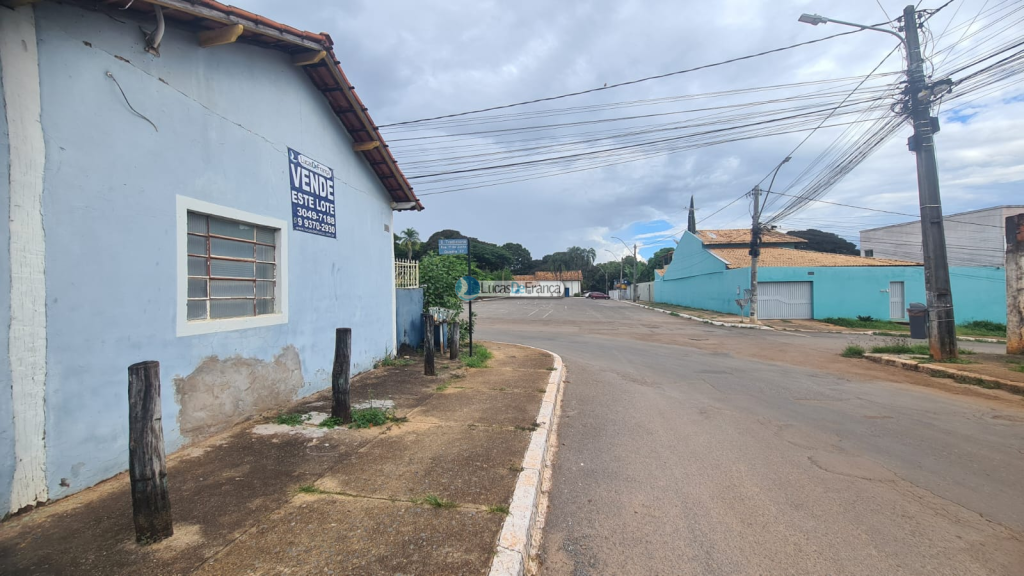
(407, 274)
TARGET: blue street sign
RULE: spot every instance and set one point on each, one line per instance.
(453, 246)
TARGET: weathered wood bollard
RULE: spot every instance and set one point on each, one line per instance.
(341, 406)
(453, 346)
(428, 345)
(147, 467)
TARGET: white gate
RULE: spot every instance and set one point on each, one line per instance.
(784, 300)
(896, 303)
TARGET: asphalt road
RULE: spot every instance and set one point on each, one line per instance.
(686, 448)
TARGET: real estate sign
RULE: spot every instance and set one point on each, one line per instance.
(312, 190)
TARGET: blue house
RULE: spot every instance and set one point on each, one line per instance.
(211, 194)
(711, 270)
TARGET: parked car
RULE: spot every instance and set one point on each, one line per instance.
(597, 296)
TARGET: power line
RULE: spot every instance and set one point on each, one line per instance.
(620, 84)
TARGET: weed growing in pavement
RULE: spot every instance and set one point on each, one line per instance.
(853, 351)
(479, 358)
(291, 419)
(529, 428)
(900, 346)
(309, 489)
(370, 417)
(500, 509)
(515, 468)
(331, 423)
(552, 369)
(673, 313)
(436, 501)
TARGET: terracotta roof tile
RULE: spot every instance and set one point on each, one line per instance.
(789, 257)
(742, 236)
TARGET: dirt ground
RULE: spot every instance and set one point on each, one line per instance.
(238, 508)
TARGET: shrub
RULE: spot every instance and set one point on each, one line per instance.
(853, 351)
(479, 358)
(865, 318)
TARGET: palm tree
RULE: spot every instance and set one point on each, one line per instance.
(409, 238)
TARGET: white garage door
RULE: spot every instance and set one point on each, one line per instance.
(784, 300)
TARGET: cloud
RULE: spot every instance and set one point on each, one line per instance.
(414, 59)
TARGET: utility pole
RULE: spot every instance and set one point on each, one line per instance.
(634, 274)
(755, 251)
(941, 324)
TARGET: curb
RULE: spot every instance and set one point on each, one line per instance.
(762, 327)
(521, 526)
(946, 372)
(699, 319)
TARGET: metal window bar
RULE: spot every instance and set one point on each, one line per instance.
(407, 274)
(232, 268)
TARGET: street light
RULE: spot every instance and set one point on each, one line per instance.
(620, 264)
(634, 264)
(815, 19)
(941, 323)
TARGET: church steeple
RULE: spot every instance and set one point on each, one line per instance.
(691, 224)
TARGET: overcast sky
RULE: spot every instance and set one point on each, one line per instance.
(416, 59)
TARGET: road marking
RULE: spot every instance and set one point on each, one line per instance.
(546, 315)
(532, 313)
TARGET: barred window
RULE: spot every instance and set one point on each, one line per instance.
(232, 268)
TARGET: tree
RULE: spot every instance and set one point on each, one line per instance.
(820, 241)
(409, 238)
(522, 262)
(438, 275)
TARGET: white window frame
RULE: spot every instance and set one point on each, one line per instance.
(186, 327)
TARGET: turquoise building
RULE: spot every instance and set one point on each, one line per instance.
(711, 270)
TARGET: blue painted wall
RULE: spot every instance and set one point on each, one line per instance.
(6, 413)
(697, 279)
(226, 117)
(408, 322)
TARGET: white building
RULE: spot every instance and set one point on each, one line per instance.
(974, 239)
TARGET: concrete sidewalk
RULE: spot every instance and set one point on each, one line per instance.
(267, 498)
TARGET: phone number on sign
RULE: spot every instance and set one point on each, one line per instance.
(314, 225)
(314, 216)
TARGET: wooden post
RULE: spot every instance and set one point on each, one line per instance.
(453, 346)
(441, 333)
(428, 345)
(1015, 284)
(341, 407)
(147, 468)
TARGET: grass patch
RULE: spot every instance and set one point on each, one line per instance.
(442, 387)
(393, 361)
(673, 313)
(370, 417)
(928, 360)
(1017, 367)
(967, 351)
(331, 423)
(436, 502)
(479, 358)
(503, 510)
(291, 419)
(309, 489)
(866, 323)
(901, 348)
(853, 351)
(982, 328)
